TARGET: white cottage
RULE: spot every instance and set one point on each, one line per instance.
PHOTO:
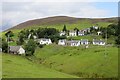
(72, 33)
(99, 33)
(95, 27)
(73, 43)
(16, 50)
(62, 33)
(81, 33)
(62, 42)
(98, 42)
(84, 42)
(45, 41)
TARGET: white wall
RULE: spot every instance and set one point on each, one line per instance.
(21, 51)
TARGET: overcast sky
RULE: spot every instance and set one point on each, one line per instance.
(15, 12)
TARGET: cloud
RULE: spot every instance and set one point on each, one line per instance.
(18, 12)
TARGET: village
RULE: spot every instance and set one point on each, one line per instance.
(63, 42)
(61, 39)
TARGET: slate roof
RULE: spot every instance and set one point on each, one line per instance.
(98, 41)
(14, 48)
(72, 41)
(84, 40)
(44, 39)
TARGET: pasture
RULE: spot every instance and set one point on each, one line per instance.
(96, 61)
(14, 66)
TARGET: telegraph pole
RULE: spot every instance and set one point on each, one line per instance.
(8, 43)
(106, 44)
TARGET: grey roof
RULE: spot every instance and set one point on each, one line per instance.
(98, 41)
(14, 48)
(44, 39)
(84, 40)
(80, 32)
(62, 39)
(73, 41)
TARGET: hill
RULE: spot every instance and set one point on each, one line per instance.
(91, 62)
(19, 67)
(61, 20)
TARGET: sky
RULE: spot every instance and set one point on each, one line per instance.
(15, 12)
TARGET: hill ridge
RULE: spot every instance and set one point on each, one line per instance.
(59, 20)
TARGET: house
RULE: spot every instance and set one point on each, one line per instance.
(98, 42)
(44, 41)
(73, 43)
(95, 27)
(88, 29)
(81, 33)
(16, 50)
(84, 42)
(99, 33)
(62, 33)
(62, 42)
(72, 33)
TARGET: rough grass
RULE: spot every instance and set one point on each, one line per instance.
(82, 62)
(19, 67)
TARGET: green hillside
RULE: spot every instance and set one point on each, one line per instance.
(79, 61)
(15, 66)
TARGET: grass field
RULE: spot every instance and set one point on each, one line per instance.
(79, 61)
(15, 66)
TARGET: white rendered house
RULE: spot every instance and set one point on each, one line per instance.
(98, 42)
(62, 33)
(16, 50)
(84, 42)
(45, 41)
(62, 42)
(72, 33)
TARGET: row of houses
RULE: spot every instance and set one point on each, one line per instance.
(80, 32)
(80, 42)
(20, 50)
(71, 42)
(72, 33)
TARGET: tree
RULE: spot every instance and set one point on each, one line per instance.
(21, 37)
(30, 47)
(46, 32)
(105, 33)
(117, 41)
(8, 35)
(4, 46)
(64, 28)
(118, 33)
(76, 29)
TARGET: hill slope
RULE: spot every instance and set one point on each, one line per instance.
(82, 62)
(61, 20)
(19, 67)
